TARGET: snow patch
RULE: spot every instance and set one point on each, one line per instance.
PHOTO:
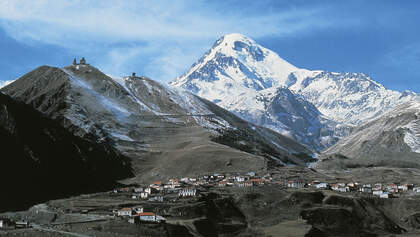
(111, 106)
(5, 83)
(412, 136)
(122, 137)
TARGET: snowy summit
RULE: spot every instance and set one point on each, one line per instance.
(244, 77)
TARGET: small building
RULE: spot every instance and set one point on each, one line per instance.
(156, 184)
(377, 192)
(256, 181)
(366, 188)
(295, 184)
(187, 192)
(385, 195)
(144, 195)
(21, 224)
(321, 185)
(222, 183)
(147, 216)
(83, 61)
(138, 209)
(392, 187)
(252, 174)
(340, 188)
(377, 187)
(174, 181)
(138, 190)
(148, 190)
(156, 199)
(248, 184)
(124, 190)
(125, 212)
(6, 223)
(403, 187)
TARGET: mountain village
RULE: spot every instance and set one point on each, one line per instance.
(189, 188)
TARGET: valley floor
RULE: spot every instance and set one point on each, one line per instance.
(259, 210)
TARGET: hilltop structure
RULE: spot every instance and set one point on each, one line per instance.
(133, 76)
(82, 61)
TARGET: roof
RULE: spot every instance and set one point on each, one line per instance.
(157, 182)
(146, 214)
(125, 209)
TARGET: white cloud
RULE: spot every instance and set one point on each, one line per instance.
(163, 31)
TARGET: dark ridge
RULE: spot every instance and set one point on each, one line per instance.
(41, 160)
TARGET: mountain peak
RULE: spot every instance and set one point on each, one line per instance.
(230, 39)
(237, 61)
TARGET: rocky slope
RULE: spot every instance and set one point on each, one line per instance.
(165, 131)
(41, 160)
(243, 77)
(392, 140)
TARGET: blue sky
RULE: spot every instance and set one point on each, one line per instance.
(162, 39)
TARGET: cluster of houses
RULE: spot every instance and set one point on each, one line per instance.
(137, 215)
(6, 223)
(378, 189)
(175, 188)
(160, 192)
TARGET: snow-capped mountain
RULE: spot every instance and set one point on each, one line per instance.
(165, 131)
(351, 98)
(392, 139)
(243, 77)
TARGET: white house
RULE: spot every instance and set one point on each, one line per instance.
(124, 212)
(1, 223)
(147, 216)
(403, 187)
(343, 189)
(239, 179)
(187, 192)
(378, 192)
(144, 195)
(321, 185)
(138, 190)
(138, 209)
(148, 190)
(222, 183)
(295, 184)
(367, 188)
(156, 199)
(384, 195)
